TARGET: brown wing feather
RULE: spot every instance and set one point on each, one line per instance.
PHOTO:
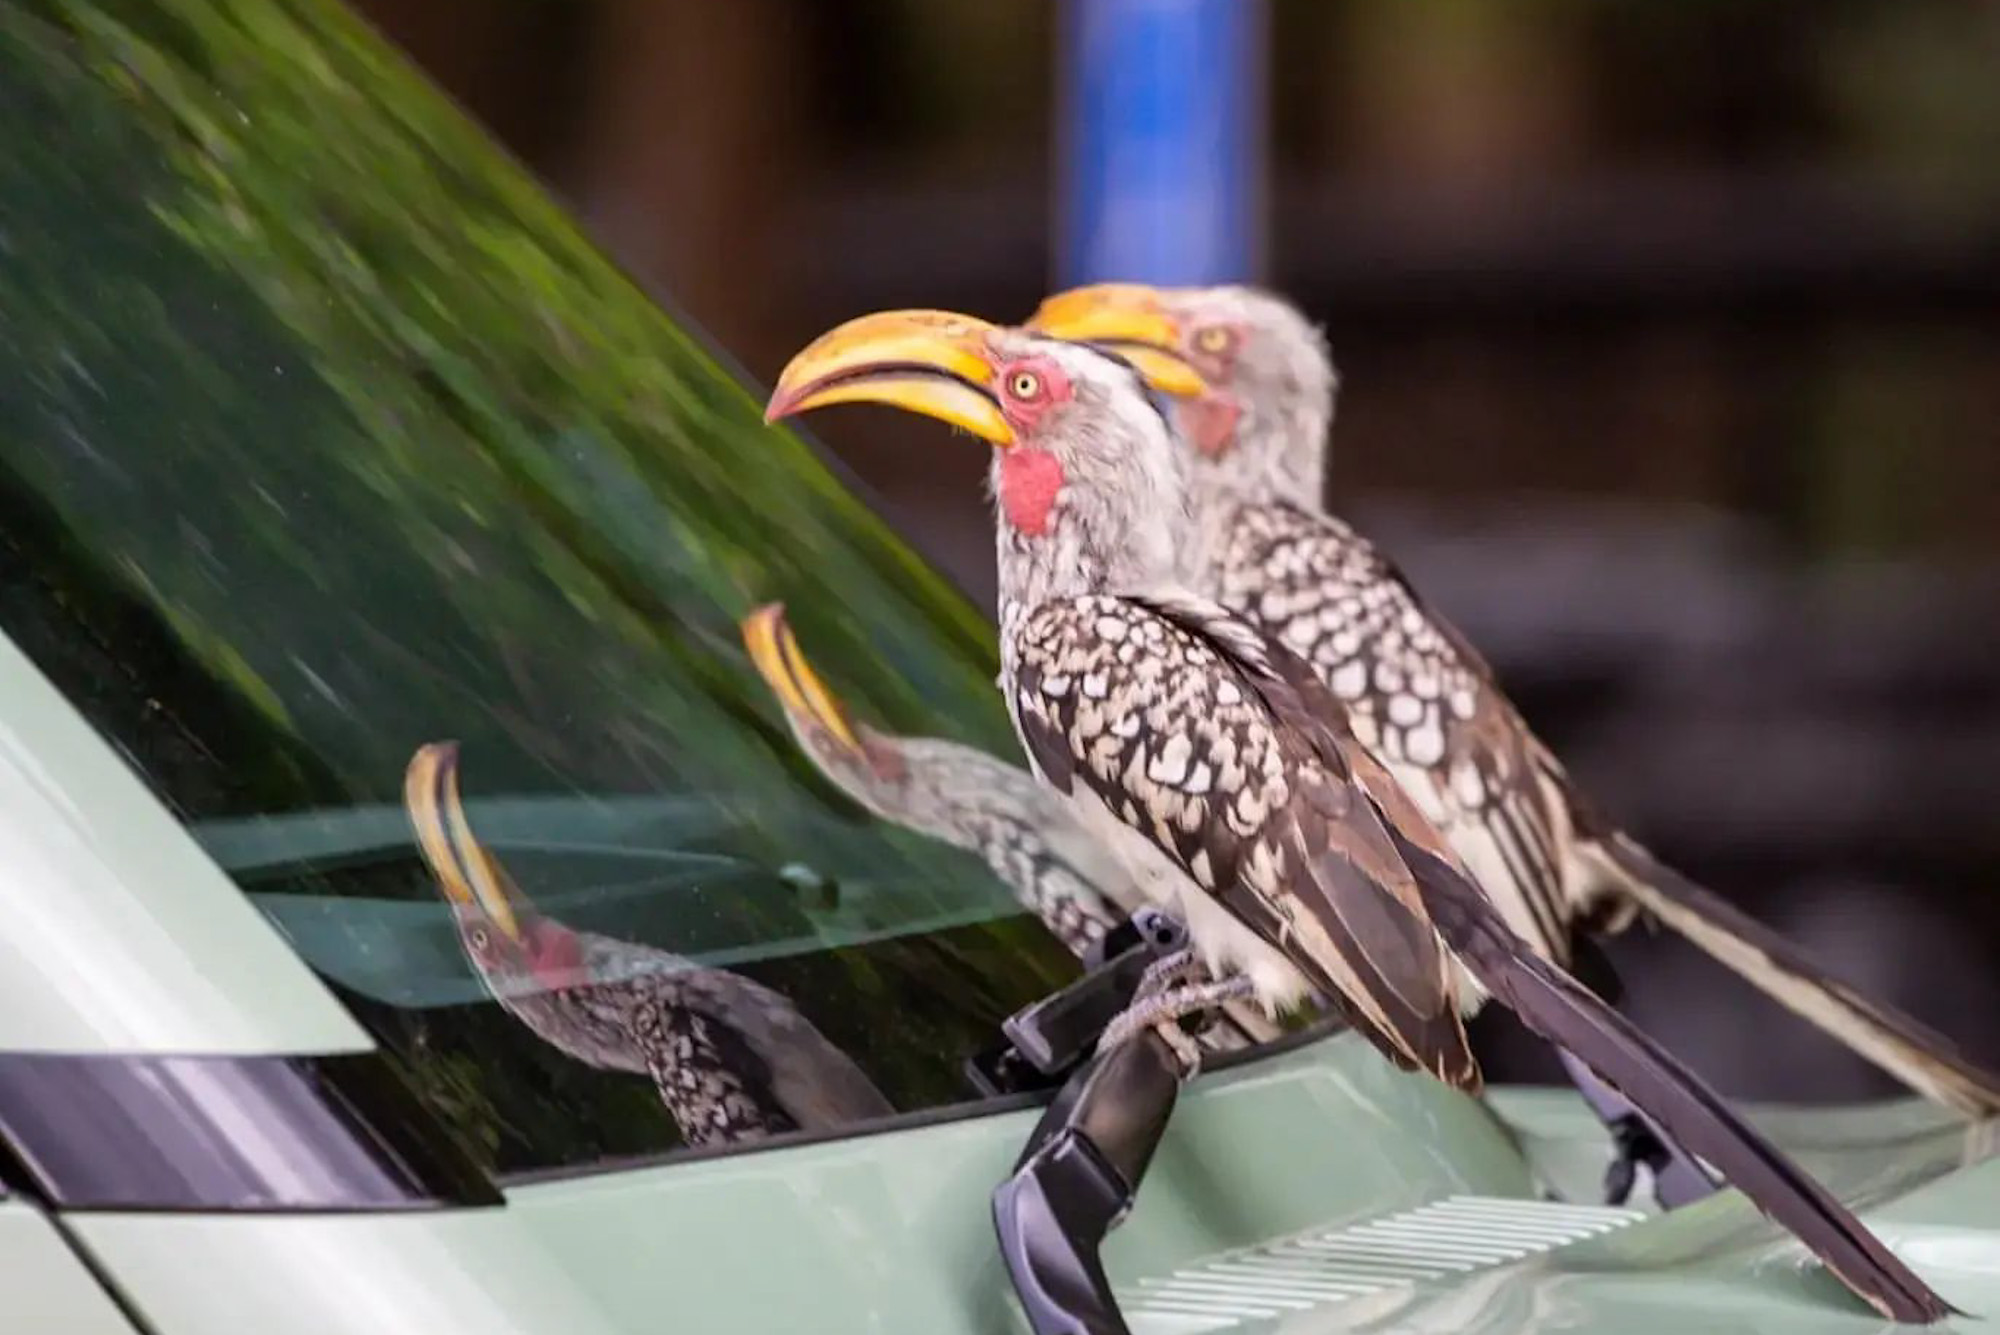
(1416, 691)
(1363, 933)
(1327, 593)
(1900, 1044)
(1555, 1006)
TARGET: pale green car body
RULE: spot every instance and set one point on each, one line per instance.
(1310, 1189)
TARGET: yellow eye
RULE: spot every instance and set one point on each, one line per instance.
(478, 938)
(1024, 385)
(1213, 338)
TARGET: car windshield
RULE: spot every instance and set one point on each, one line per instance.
(324, 441)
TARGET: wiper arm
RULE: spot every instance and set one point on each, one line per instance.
(1080, 1171)
(1076, 1180)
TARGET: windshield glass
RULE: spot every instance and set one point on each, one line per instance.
(347, 491)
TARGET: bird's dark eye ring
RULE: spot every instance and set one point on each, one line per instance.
(1024, 384)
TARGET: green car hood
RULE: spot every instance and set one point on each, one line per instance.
(1261, 1167)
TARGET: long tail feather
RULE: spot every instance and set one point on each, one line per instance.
(1554, 1006)
(1906, 1048)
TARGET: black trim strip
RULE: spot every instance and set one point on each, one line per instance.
(973, 1106)
(329, 1133)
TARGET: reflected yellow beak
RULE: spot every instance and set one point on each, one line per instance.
(466, 873)
(930, 362)
(775, 651)
(1129, 319)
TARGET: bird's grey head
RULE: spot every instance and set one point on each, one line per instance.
(1260, 430)
(1089, 486)
(515, 949)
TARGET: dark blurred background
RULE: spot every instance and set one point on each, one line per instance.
(1671, 345)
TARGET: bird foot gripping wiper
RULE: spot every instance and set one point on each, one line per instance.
(1046, 1040)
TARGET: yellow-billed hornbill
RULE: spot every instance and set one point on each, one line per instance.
(1418, 695)
(732, 1060)
(962, 796)
(1221, 770)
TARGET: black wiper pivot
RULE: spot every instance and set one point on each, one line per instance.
(1045, 1040)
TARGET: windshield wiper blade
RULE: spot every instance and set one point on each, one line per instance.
(1076, 1181)
(1080, 1171)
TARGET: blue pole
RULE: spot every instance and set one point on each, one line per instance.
(1162, 141)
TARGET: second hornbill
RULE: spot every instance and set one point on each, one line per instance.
(1222, 771)
(964, 797)
(1418, 694)
(732, 1060)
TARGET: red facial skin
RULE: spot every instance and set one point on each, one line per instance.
(885, 760)
(550, 952)
(554, 954)
(1030, 478)
(1210, 421)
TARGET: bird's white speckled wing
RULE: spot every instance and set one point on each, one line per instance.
(1161, 708)
(1421, 699)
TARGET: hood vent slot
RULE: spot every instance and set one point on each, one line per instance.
(1437, 1241)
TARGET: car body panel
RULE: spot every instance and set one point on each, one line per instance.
(888, 1232)
(891, 1232)
(117, 933)
(46, 1287)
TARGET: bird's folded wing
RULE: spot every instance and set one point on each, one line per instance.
(1394, 657)
(1156, 705)
(1418, 691)
(1555, 1006)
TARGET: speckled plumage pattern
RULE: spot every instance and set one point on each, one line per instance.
(653, 1017)
(1157, 710)
(731, 1059)
(1429, 708)
(1049, 884)
(1221, 769)
(1025, 834)
(1421, 700)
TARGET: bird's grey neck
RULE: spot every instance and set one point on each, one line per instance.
(1277, 459)
(1070, 562)
(955, 792)
(1280, 454)
(942, 788)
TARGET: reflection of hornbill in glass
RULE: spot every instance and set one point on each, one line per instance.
(732, 1059)
(1224, 773)
(1420, 697)
(962, 796)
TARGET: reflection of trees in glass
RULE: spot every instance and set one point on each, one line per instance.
(328, 435)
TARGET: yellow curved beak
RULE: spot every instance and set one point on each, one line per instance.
(1129, 319)
(930, 362)
(776, 653)
(466, 873)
